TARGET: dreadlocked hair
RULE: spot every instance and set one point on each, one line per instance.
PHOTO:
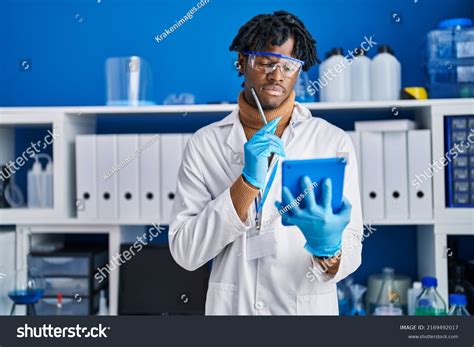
(276, 28)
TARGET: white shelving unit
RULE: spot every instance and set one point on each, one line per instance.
(71, 121)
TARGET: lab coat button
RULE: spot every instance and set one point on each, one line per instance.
(259, 305)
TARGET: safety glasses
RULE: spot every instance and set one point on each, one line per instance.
(262, 61)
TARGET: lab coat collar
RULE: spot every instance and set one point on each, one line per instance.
(236, 138)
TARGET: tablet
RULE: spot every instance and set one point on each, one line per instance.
(316, 170)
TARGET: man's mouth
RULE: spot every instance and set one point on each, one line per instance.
(273, 90)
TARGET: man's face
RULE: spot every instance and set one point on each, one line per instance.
(272, 88)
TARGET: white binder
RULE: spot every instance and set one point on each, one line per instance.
(107, 177)
(355, 138)
(372, 176)
(86, 177)
(150, 177)
(128, 163)
(396, 174)
(420, 185)
(171, 154)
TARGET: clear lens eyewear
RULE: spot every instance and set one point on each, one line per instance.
(261, 61)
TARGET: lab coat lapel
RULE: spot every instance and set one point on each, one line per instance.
(234, 153)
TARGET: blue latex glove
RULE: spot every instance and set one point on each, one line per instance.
(320, 226)
(258, 149)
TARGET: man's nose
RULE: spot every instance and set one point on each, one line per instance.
(276, 75)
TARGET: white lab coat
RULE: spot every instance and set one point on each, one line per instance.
(205, 226)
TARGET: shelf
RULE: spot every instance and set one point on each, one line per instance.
(226, 108)
(75, 221)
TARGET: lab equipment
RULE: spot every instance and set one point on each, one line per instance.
(181, 99)
(360, 76)
(388, 299)
(259, 106)
(320, 223)
(430, 303)
(258, 149)
(129, 81)
(386, 76)
(450, 59)
(69, 279)
(103, 308)
(457, 304)
(301, 88)
(335, 88)
(389, 310)
(458, 284)
(317, 170)
(357, 293)
(40, 183)
(401, 284)
(173, 291)
(413, 294)
(261, 61)
(459, 177)
(28, 290)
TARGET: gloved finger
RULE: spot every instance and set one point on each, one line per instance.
(308, 191)
(282, 212)
(326, 193)
(346, 208)
(269, 127)
(276, 139)
(289, 200)
(267, 150)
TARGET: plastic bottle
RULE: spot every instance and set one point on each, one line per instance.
(360, 76)
(413, 294)
(388, 300)
(386, 78)
(103, 309)
(334, 80)
(458, 305)
(301, 88)
(47, 185)
(34, 185)
(459, 285)
(40, 183)
(430, 303)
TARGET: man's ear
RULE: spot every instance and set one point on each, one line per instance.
(242, 61)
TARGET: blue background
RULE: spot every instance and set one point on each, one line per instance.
(66, 44)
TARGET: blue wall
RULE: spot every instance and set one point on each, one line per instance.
(68, 41)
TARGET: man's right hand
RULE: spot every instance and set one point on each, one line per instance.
(257, 150)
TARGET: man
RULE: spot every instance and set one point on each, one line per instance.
(260, 266)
